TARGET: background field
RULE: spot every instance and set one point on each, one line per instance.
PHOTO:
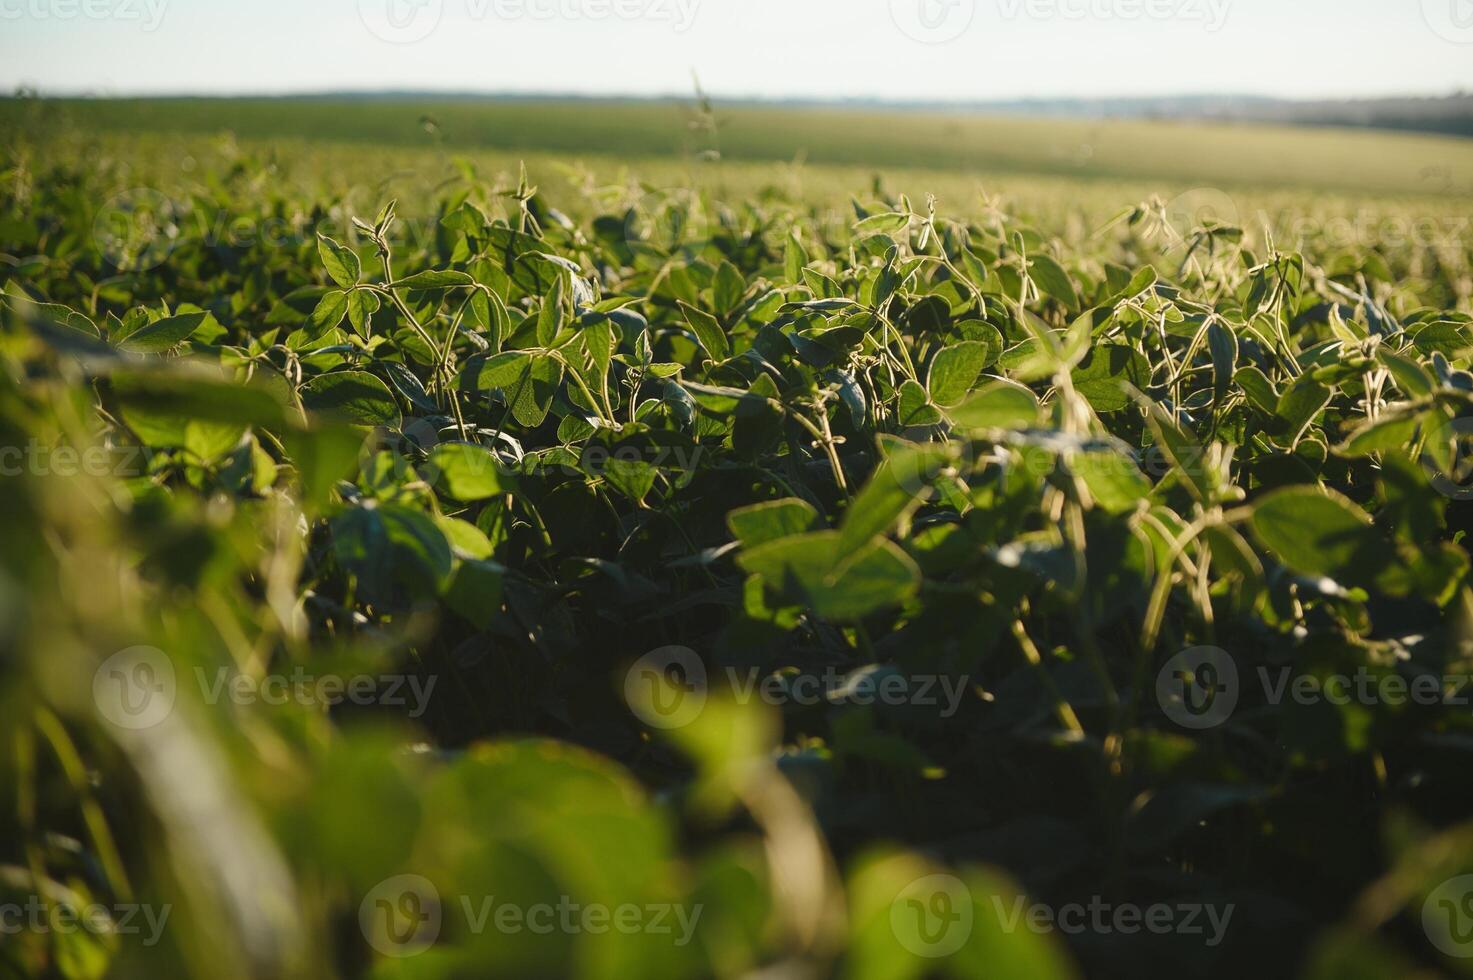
(1266, 156)
(1050, 170)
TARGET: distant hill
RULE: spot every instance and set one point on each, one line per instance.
(1452, 114)
(1449, 115)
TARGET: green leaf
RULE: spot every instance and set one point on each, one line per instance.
(898, 487)
(1114, 480)
(599, 338)
(999, 405)
(794, 259)
(532, 394)
(955, 370)
(466, 540)
(475, 592)
(708, 331)
(807, 566)
(915, 408)
(208, 441)
(1223, 344)
(1052, 280)
(503, 371)
(487, 313)
(1410, 376)
(1260, 391)
(1319, 533)
(467, 472)
(1389, 432)
(362, 305)
(1102, 377)
(162, 335)
(354, 397)
(412, 535)
(329, 312)
(886, 223)
(1182, 449)
(1299, 406)
(61, 316)
(553, 315)
(434, 280)
(728, 289)
(984, 333)
(166, 402)
(634, 478)
(340, 261)
(770, 521)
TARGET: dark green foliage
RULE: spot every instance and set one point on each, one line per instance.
(515, 455)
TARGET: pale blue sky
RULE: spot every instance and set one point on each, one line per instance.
(902, 49)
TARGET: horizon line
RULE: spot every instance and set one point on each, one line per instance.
(24, 90)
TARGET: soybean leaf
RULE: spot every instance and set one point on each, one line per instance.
(1319, 533)
(467, 472)
(708, 331)
(436, 280)
(1052, 280)
(999, 405)
(354, 397)
(329, 313)
(340, 261)
(162, 335)
(761, 523)
(807, 567)
(898, 487)
(955, 370)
